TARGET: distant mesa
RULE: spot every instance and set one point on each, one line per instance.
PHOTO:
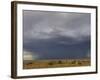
(29, 55)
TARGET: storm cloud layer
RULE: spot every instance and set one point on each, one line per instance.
(56, 35)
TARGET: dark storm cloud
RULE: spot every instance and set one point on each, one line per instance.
(47, 25)
(53, 50)
(56, 34)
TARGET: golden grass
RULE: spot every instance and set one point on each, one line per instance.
(56, 63)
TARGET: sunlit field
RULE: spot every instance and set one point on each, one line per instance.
(29, 64)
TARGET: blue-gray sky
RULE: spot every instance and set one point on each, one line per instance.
(56, 35)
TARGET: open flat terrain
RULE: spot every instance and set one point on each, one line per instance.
(55, 63)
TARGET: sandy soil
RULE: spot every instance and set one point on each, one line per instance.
(55, 63)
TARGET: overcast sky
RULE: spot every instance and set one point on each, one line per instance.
(56, 35)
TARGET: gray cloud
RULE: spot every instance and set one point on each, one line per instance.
(49, 25)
